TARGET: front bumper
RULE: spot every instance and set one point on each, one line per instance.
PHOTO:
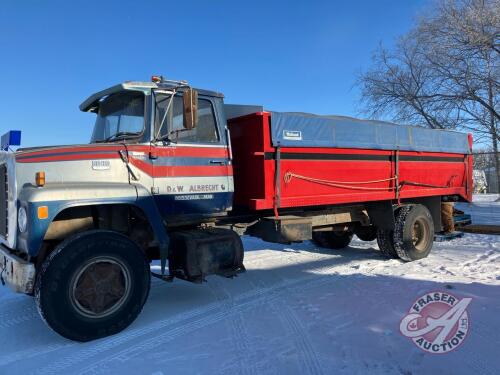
(17, 273)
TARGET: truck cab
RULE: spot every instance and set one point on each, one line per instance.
(186, 168)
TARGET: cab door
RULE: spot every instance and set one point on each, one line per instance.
(192, 175)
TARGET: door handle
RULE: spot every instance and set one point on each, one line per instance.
(221, 162)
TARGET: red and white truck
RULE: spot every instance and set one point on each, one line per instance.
(173, 174)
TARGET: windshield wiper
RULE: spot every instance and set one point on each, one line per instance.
(117, 136)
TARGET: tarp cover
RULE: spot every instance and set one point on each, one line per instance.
(307, 130)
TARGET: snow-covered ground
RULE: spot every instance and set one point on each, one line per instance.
(299, 309)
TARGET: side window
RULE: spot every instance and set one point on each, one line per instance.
(205, 132)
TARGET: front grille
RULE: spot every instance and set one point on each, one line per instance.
(4, 205)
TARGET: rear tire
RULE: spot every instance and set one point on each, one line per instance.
(414, 232)
(385, 238)
(366, 233)
(94, 284)
(386, 243)
(332, 239)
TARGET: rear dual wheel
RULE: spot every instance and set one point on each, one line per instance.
(386, 243)
(413, 234)
(332, 239)
(368, 233)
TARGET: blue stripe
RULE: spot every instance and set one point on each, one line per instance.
(184, 204)
(187, 161)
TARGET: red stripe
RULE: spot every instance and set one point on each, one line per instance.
(181, 171)
(158, 171)
(142, 165)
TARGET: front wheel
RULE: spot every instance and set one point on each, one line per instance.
(92, 285)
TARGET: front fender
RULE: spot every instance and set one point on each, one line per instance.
(58, 197)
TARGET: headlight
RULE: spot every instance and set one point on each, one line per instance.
(22, 219)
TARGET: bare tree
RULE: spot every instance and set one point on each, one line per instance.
(484, 159)
(445, 73)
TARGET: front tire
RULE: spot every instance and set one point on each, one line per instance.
(93, 285)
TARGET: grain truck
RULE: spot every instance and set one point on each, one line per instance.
(174, 175)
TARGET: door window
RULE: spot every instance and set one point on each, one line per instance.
(205, 131)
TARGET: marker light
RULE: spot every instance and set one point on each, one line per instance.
(40, 179)
(43, 212)
(156, 79)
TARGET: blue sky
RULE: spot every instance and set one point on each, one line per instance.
(285, 55)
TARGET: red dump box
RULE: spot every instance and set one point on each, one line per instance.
(293, 160)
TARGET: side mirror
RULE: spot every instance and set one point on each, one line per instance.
(190, 108)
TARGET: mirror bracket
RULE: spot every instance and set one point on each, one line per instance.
(190, 108)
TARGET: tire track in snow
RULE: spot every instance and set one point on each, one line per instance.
(13, 317)
(306, 353)
(239, 335)
(130, 334)
(249, 301)
(33, 352)
(17, 316)
(19, 319)
(244, 301)
(22, 315)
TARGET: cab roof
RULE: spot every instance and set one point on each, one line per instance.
(92, 102)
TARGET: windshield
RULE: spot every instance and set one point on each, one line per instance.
(120, 116)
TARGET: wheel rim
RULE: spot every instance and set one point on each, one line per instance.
(420, 235)
(100, 287)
